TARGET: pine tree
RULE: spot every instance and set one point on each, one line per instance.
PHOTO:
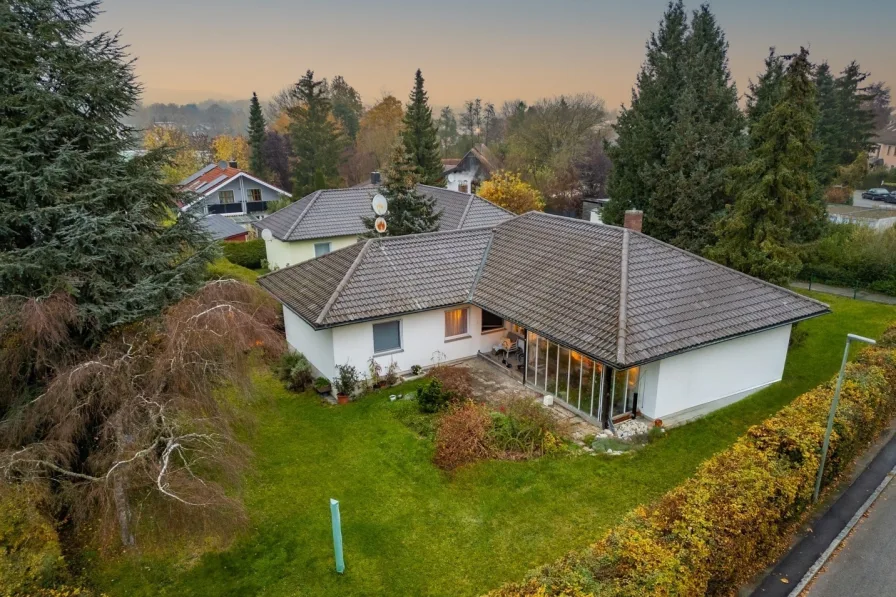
(828, 132)
(410, 212)
(758, 236)
(767, 90)
(857, 115)
(643, 129)
(347, 106)
(256, 137)
(316, 140)
(707, 141)
(447, 129)
(76, 217)
(420, 137)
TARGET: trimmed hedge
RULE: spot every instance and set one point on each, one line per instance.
(247, 254)
(735, 516)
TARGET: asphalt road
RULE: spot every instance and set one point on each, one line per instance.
(865, 564)
(859, 202)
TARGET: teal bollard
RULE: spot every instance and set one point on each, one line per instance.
(337, 535)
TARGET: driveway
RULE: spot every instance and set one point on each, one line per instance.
(863, 566)
(859, 202)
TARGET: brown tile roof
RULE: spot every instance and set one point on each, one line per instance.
(338, 212)
(618, 296)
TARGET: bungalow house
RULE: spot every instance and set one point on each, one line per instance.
(328, 220)
(466, 174)
(226, 190)
(884, 148)
(222, 228)
(608, 320)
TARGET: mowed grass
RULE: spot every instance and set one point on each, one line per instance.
(409, 529)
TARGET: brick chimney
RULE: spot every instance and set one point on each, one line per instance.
(633, 219)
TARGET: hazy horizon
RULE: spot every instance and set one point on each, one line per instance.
(501, 51)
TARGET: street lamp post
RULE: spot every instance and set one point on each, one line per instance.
(827, 433)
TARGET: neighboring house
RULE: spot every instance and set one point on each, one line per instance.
(884, 152)
(610, 321)
(592, 207)
(876, 218)
(223, 228)
(465, 175)
(226, 190)
(328, 220)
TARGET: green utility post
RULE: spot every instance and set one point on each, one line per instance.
(834, 402)
(337, 535)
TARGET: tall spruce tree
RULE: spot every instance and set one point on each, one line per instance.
(256, 137)
(758, 236)
(707, 141)
(643, 129)
(828, 131)
(347, 106)
(420, 136)
(410, 211)
(316, 140)
(767, 90)
(75, 216)
(854, 102)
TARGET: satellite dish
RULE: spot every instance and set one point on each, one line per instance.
(380, 224)
(450, 178)
(267, 234)
(379, 205)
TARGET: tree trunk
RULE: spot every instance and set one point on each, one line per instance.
(122, 508)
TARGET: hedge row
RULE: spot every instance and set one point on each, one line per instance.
(733, 518)
(247, 254)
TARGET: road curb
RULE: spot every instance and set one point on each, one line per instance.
(810, 574)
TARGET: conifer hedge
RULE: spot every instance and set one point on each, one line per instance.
(735, 516)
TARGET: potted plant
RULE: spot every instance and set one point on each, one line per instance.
(322, 386)
(374, 370)
(345, 383)
(416, 369)
(392, 374)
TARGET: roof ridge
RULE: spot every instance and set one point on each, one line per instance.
(301, 215)
(623, 298)
(342, 283)
(463, 216)
(433, 233)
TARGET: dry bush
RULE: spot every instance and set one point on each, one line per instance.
(522, 428)
(463, 436)
(455, 381)
(141, 421)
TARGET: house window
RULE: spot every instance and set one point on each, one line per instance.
(254, 194)
(462, 187)
(491, 322)
(456, 322)
(387, 336)
(321, 249)
(225, 197)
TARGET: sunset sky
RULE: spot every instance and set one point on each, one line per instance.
(493, 49)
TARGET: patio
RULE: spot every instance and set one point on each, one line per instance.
(494, 382)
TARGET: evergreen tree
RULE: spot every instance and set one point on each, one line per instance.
(75, 216)
(758, 236)
(316, 140)
(643, 129)
(347, 106)
(256, 137)
(447, 129)
(420, 137)
(410, 212)
(707, 140)
(767, 90)
(856, 112)
(828, 132)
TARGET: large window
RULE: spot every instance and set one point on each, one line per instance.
(387, 336)
(321, 249)
(225, 197)
(254, 194)
(491, 322)
(456, 322)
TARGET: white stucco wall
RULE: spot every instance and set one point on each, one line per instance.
(422, 336)
(283, 254)
(693, 383)
(316, 345)
(455, 179)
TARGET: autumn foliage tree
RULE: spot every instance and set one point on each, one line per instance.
(183, 157)
(231, 148)
(509, 191)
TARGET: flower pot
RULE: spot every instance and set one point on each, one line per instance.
(342, 398)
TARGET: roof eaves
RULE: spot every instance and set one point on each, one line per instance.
(348, 274)
(301, 215)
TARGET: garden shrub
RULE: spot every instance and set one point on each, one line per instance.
(734, 517)
(853, 256)
(456, 381)
(523, 429)
(247, 254)
(222, 269)
(463, 435)
(294, 370)
(431, 397)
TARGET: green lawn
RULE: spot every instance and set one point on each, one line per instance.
(411, 530)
